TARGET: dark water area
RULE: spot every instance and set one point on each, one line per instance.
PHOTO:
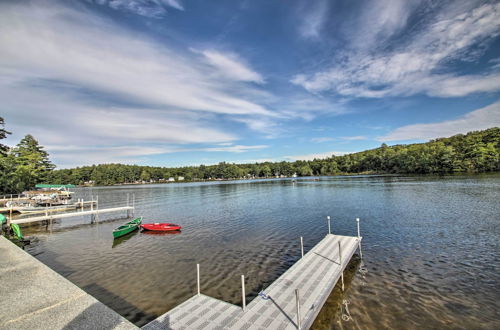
(430, 246)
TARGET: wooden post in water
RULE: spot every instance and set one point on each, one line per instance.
(97, 207)
(10, 216)
(359, 239)
(198, 277)
(297, 301)
(133, 204)
(329, 227)
(243, 294)
(302, 246)
(340, 262)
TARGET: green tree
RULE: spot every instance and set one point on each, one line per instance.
(3, 135)
(32, 161)
(145, 176)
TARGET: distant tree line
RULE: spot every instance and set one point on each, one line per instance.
(473, 152)
(27, 164)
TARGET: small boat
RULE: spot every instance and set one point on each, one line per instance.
(127, 228)
(160, 226)
(17, 231)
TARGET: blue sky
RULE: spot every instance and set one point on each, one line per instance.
(189, 82)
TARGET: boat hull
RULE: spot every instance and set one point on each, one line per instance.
(127, 228)
(160, 227)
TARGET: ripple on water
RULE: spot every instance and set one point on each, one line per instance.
(430, 247)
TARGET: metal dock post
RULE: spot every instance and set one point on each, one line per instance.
(297, 301)
(243, 294)
(302, 246)
(198, 277)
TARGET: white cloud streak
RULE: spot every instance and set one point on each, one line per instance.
(312, 16)
(65, 75)
(480, 119)
(148, 8)
(322, 139)
(417, 64)
(121, 64)
(354, 138)
(232, 67)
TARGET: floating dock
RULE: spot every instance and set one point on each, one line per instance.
(95, 212)
(40, 298)
(291, 302)
(36, 297)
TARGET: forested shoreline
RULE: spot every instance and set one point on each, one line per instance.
(28, 164)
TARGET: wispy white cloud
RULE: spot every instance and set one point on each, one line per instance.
(480, 119)
(232, 66)
(148, 8)
(322, 139)
(417, 64)
(320, 155)
(122, 64)
(312, 15)
(354, 138)
(235, 148)
(76, 83)
(378, 21)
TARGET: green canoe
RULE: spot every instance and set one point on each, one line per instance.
(17, 231)
(127, 228)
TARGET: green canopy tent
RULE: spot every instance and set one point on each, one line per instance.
(48, 186)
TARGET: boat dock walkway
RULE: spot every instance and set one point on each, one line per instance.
(39, 298)
(291, 302)
(35, 297)
(93, 212)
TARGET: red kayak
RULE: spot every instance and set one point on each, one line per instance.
(160, 226)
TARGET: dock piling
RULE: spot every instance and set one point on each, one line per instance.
(10, 216)
(302, 246)
(359, 239)
(340, 263)
(97, 208)
(297, 301)
(198, 277)
(243, 292)
(329, 226)
(133, 204)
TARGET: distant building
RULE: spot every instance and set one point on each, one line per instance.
(180, 178)
(294, 175)
(171, 179)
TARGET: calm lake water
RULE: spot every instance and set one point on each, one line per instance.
(430, 247)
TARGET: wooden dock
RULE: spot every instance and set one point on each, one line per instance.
(94, 212)
(291, 302)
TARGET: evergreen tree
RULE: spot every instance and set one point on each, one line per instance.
(33, 164)
(3, 135)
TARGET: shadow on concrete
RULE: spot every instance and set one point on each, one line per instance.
(119, 305)
(97, 316)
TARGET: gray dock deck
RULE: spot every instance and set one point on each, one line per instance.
(314, 275)
(72, 214)
(35, 297)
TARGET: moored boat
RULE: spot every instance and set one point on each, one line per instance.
(160, 226)
(127, 228)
